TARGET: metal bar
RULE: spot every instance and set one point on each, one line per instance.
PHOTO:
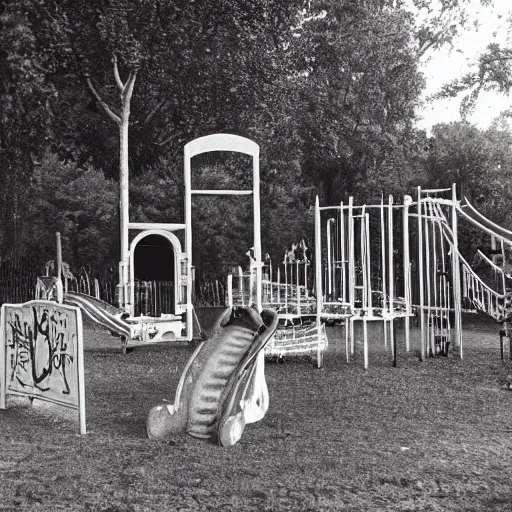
(429, 217)
(329, 259)
(256, 208)
(222, 192)
(343, 257)
(189, 327)
(407, 272)
(391, 276)
(435, 190)
(356, 207)
(156, 225)
(318, 264)
(368, 261)
(428, 275)
(383, 265)
(420, 271)
(456, 274)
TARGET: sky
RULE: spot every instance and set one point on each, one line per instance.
(447, 64)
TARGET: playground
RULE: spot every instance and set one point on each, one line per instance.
(432, 435)
(245, 262)
(406, 406)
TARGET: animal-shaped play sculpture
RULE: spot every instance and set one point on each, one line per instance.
(222, 387)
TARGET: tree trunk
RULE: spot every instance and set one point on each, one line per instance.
(124, 199)
(123, 121)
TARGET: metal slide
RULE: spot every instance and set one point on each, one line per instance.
(100, 312)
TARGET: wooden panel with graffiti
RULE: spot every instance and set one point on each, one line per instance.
(42, 354)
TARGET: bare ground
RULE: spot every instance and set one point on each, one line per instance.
(425, 436)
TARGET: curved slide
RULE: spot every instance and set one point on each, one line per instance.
(496, 304)
(221, 386)
(100, 312)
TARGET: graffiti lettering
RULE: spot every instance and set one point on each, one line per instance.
(41, 345)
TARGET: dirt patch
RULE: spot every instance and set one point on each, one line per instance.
(433, 435)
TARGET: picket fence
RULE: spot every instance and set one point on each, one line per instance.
(18, 280)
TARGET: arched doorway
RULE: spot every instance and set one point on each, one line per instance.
(154, 272)
(154, 259)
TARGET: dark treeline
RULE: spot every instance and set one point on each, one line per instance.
(330, 90)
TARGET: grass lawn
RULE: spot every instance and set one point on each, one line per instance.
(425, 436)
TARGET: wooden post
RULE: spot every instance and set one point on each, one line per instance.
(59, 256)
(81, 373)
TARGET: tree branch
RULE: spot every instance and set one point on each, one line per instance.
(128, 87)
(490, 60)
(165, 140)
(153, 113)
(105, 107)
(119, 82)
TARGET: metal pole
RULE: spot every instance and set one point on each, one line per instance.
(456, 274)
(318, 267)
(420, 273)
(188, 244)
(391, 274)
(383, 271)
(407, 272)
(343, 256)
(257, 227)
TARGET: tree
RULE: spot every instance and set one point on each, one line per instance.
(490, 71)
(25, 114)
(460, 153)
(180, 70)
(80, 203)
(361, 88)
(480, 163)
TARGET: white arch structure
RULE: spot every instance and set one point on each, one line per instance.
(176, 245)
(236, 144)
